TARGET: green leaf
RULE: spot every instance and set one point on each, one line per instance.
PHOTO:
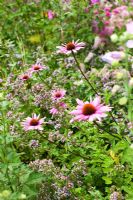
(107, 180)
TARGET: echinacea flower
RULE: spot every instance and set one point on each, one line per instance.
(113, 56)
(70, 46)
(90, 111)
(37, 67)
(53, 111)
(58, 94)
(33, 123)
(95, 1)
(50, 14)
(59, 107)
(25, 76)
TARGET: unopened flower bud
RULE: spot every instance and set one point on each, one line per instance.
(114, 37)
(122, 38)
(115, 63)
(119, 75)
(5, 193)
(126, 35)
(115, 89)
(22, 196)
(123, 100)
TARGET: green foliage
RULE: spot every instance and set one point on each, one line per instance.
(82, 160)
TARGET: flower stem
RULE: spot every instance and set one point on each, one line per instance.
(101, 128)
(5, 153)
(78, 65)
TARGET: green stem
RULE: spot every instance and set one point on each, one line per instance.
(78, 65)
(5, 153)
(101, 128)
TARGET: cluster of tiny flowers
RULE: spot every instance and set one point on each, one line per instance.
(62, 193)
(45, 165)
(107, 80)
(130, 125)
(61, 189)
(34, 144)
(115, 196)
(79, 169)
(119, 167)
(69, 62)
(58, 105)
(40, 99)
(56, 136)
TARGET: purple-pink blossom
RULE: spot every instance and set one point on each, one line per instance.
(50, 14)
(95, 1)
(58, 107)
(33, 123)
(25, 76)
(70, 46)
(54, 111)
(37, 67)
(90, 111)
(58, 94)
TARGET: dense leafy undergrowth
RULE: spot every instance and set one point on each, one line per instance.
(66, 77)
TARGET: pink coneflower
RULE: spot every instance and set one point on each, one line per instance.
(70, 46)
(59, 107)
(37, 67)
(95, 1)
(53, 111)
(90, 110)
(25, 76)
(58, 94)
(63, 105)
(33, 123)
(50, 14)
